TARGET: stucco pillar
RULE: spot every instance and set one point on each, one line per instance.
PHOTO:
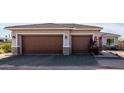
(15, 44)
(66, 44)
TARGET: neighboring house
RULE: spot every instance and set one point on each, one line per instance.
(2, 39)
(110, 41)
(50, 38)
(121, 45)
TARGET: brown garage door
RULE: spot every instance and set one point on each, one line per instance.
(42, 44)
(80, 44)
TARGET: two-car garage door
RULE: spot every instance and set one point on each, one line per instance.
(36, 44)
(51, 44)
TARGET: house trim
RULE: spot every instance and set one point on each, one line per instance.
(20, 46)
(17, 34)
(68, 44)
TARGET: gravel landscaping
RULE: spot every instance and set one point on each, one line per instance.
(118, 53)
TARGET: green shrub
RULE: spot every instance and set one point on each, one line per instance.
(95, 50)
(6, 47)
(1, 51)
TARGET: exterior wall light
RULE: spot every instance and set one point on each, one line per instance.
(13, 37)
(66, 36)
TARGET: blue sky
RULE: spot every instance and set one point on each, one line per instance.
(116, 28)
(4, 32)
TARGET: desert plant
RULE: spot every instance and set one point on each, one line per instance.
(1, 51)
(95, 50)
(6, 47)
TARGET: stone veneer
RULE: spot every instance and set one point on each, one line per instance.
(66, 50)
(15, 50)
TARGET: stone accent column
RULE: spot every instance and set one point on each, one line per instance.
(16, 50)
(66, 50)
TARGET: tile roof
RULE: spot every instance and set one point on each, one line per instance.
(112, 34)
(54, 25)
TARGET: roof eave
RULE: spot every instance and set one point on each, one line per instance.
(111, 35)
(32, 28)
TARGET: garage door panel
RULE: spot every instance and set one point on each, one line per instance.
(80, 44)
(42, 44)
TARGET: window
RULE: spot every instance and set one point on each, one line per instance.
(110, 42)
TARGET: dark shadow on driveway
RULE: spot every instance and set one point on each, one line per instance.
(50, 60)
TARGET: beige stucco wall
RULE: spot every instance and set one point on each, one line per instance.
(84, 31)
(13, 39)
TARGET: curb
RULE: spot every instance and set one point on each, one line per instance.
(109, 67)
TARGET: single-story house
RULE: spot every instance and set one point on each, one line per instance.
(110, 40)
(51, 38)
(2, 39)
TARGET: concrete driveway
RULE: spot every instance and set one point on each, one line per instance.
(109, 61)
(49, 62)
